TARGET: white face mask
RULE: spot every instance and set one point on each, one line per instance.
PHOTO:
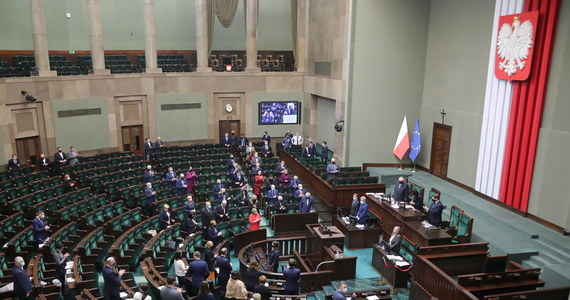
(344, 290)
(23, 264)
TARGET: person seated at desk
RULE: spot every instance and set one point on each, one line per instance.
(434, 211)
(342, 289)
(274, 256)
(362, 210)
(332, 169)
(68, 184)
(263, 289)
(393, 244)
(291, 276)
(416, 200)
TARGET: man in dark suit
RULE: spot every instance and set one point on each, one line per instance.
(170, 291)
(212, 233)
(13, 163)
(225, 140)
(233, 141)
(291, 276)
(112, 280)
(281, 167)
(230, 162)
(181, 185)
(266, 137)
(149, 174)
(159, 143)
(208, 214)
(199, 271)
(222, 212)
(222, 195)
(262, 289)
(256, 159)
(401, 190)
(279, 206)
(307, 203)
(339, 294)
(272, 195)
(148, 147)
(393, 244)
(22, 284)
(325, 152)
(40, 228)
(266, 150)
(306, 153)
(243, 141)
(294, 184)
(217, 187)
(312, 147)
(299, 193)
(225, 267)
(164, 219)
(434, 211)
(59, 158)
(150, 198)
(171, 178)
(354, 208)
(189, 206)
(362, 210)
(43, 162)
(237, 178)
(332, 169)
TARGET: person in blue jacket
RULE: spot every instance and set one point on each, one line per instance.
(361, 214)
(22, 284)
(198, 270)
(291, 275)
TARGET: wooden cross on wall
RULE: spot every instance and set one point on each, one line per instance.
(443, 113)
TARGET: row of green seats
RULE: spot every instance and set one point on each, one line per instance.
(10, 226)
(78, 209)
(102, 214)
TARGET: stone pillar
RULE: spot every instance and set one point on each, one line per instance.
(149, 37)
(302, 33)
(251, 35)
(39, 37)
(202, 36)
(96, 38)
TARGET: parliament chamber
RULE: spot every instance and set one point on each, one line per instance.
(146, 141)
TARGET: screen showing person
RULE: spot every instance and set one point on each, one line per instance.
(281, 112)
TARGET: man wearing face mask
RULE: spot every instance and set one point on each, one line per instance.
(40, 228)
(60, 158)
(401, 190)
(362, 210)
(112, 280)
(342, 289)
(22, 284)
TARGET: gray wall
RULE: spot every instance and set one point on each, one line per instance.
(182, 124)
(326, 121)
(455, 78)
(387, 75)
(123, 27)
(275, 131)
(548, 199)
(84, 132)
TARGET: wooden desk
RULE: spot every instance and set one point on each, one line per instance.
(317, 238)
(333, 196)
(357, 238)
(410, 223)
(293, 224)
(396, 278)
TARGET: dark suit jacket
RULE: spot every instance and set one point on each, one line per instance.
(266, 150)
(149, 175)
(22, 284)
(150, 198)
(198, 270)
(163, 219)
(148, 146)
(189, 207)
(212, 235)
(274, 259)
(354, 207)
(220, 210)
(304, 207)
(291, 276)
(419, 202)
(266, 138)
(209, 259)
(39, 230)
(394, 246)
(112, 283)
(251, 278)
(401, 191)
(12, 164)
(224, 140)
(223, 263)
(58, 157)
(306, 152)
(234, 178)
(207, 216)
(338, 295)
(41, 163)
(434, 213)
(169, 177)
(325, 153)
(362, 209)
(217, 188)
(243, 141)
(264, 291)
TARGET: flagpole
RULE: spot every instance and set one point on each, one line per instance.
(414, 170)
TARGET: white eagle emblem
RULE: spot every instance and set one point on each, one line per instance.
(513, 45)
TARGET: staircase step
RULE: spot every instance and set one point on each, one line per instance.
(329, 289)
(320, 295)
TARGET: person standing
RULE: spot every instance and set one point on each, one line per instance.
(354, 208)
(170, 291)
(416, 200)
(266, 150)
(325, 152)
(43, 162)
(149, 174)
(210, 259)
(60, 158)
(181, 185)
(254, 220)
(393, 244)
(307, 203)
(401, 190)
(225, 267)
(332, 169)
(171, 178)
(180, 270)
(274, 256)
(150, 198)
(252, 276)
(291, 275)
(22, 284)
(14, 163)
(60, 259)
(112, 280)
(148, 148)
(235, 289)
(165, 219)
(191, 179)
(362, 210)
(243, 141)
(297, 140)
(73, 156)
(262, 289)
(204, 292)
(259, 181)
(434, 211)
(40, 228)
(198, 271)
(266, 137)
(158, 143)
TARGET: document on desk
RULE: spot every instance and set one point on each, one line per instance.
(359, 226)
(394, 257)
(402, 263)
(373, 297)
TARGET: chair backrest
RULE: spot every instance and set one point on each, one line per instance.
(465, 225)
(454, 216)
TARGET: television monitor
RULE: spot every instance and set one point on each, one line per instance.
(279, 112)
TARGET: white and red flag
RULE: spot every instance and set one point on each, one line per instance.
(403, 141)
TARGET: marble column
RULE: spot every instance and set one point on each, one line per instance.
(96, 38)
(202, 36)
(39, 37)
(251, 35)
(302, 33)
(150, 37)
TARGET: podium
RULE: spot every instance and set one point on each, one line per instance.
(319, 236)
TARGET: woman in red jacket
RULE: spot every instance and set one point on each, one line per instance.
(254, 219)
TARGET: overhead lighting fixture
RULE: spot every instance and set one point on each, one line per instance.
(29, 97)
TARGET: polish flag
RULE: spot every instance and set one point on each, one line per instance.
(403, 141)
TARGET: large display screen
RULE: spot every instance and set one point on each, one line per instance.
(279, 112)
